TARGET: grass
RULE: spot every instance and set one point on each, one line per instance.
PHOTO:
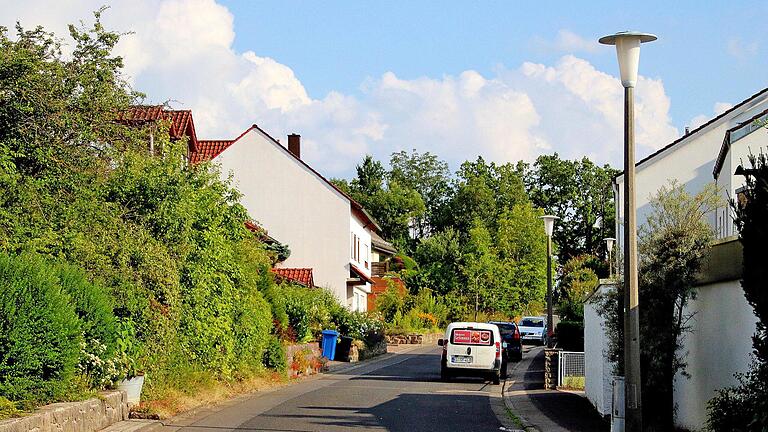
(574, 383)
(515, 419)
(206, 391)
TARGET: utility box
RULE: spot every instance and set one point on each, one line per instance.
(617, 406)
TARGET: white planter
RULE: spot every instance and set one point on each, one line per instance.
(132, 387)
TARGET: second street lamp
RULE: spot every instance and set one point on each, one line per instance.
(549, 226)
(609, 242)
(628, 52)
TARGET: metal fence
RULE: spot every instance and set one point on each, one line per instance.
(569, 364)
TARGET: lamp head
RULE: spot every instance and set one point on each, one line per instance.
(549, 224)
(628, 50)
(609, 242)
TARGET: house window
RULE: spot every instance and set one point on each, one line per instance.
(352, 245)
(367, 255)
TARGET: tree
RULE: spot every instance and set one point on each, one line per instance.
(576, 281)
(430, 177)
(579, 192)
(393, 205)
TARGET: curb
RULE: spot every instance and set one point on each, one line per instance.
(526, 425)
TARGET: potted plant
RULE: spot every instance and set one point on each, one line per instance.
(128, 353)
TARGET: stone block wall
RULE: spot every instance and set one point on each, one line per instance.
(303, 359)
(551, 359)
(86, 416)
(414, 339)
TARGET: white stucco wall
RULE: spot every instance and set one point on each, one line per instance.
(295, 205)
(717, 347)
(598, 369)
(357, 295)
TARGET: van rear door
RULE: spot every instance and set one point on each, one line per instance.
(471, 348)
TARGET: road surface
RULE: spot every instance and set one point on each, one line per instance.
(399, 393)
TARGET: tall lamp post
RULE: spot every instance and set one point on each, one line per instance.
(628, 51)
(549, 226)
(609, 242)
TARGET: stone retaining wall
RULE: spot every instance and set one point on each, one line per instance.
(86, 416)
(303, 359)
(551, 360)
(414, 339)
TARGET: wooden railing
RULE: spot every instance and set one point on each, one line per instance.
(379, 268)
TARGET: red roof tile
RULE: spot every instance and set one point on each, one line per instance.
(208, 149)
(181, 120)
(300, 275)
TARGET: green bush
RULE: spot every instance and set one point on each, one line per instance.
(274, 356)
(7, 408)
(570, 335)
(40, 333)
(99, 327)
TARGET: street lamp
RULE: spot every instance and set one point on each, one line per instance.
(609, 242)
(549, 226)
(628, 51)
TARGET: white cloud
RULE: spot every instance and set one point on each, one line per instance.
(566, 42)
(717, 109)
(741, 50)
(182, 51)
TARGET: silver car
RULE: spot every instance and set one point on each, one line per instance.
(533, 329)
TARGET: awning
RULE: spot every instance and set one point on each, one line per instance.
(359, 273)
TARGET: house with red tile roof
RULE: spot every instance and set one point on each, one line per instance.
(328, 232)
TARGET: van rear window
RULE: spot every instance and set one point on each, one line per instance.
(471, 337)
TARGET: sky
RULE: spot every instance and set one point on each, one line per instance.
(503, 80)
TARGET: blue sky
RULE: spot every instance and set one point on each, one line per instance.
(707, 51)
(502, 80)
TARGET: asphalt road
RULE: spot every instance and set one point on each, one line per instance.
(400, 393)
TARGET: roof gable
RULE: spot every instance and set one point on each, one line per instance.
(740, 105)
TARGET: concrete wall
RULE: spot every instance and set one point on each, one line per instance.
(717, 347)
(86, 416)
(295, 205)
(597, 369)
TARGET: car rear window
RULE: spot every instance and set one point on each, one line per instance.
(506, 328)
(467, 336)
(532, 322)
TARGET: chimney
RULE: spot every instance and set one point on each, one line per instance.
(687, 130)
(294, 145)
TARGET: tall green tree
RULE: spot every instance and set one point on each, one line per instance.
(395, 206)
(580, 194)
(430, 177)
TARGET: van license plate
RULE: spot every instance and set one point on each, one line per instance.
(462, 359)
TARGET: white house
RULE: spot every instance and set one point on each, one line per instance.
(328, 233)
(719, 344)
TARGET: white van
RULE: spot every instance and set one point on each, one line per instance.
(471, 348)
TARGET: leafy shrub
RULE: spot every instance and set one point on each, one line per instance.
(7, 408)
(40, 333)
(274, 355)
(570, 335)
(99, 357)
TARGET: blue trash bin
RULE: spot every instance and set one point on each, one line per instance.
(329, 343)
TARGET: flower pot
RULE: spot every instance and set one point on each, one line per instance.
(132, 388)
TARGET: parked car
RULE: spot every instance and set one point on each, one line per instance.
(471, 348)
(510, 334)
(533, 329)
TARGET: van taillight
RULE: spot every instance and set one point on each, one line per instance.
(498, 349)
(517, 333)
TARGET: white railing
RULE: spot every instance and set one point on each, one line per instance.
(569, 364)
